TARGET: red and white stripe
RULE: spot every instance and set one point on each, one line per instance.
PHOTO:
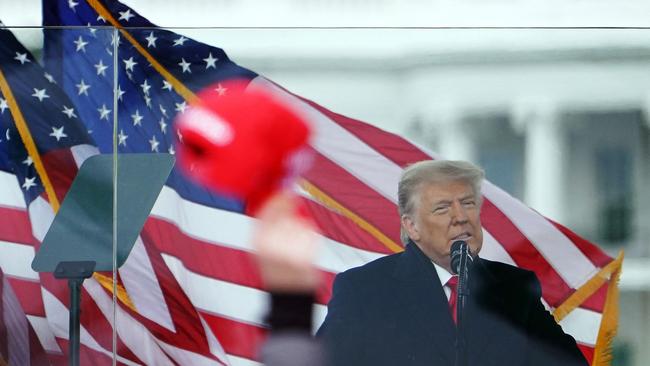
(19, 344)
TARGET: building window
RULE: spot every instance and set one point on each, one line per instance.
(604, 148)
(613, 181)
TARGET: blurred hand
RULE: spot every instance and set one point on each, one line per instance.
(286, 246)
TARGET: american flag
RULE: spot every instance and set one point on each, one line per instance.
(190, 292)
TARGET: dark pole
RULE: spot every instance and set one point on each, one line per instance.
(75, 304)
(75, 273)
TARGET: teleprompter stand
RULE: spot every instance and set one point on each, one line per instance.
(75, 273)
(83, 239)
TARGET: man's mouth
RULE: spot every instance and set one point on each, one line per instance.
(462, 236)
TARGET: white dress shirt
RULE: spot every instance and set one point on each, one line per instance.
(444, 276)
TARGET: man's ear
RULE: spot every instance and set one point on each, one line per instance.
(409, 225)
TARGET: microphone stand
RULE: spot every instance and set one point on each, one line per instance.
(462, 294)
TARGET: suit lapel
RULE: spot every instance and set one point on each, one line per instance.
(425, 300)
(483, 321)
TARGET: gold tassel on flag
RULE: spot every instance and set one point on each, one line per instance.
(609, 323)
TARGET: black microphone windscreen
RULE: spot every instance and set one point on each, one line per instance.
(456, 250)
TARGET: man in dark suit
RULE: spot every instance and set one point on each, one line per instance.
(396, 310)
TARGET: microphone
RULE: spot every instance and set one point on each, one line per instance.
(461, 261)
(460, 250)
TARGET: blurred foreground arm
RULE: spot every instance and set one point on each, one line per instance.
(286, 248)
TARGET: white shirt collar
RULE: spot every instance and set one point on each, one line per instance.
(443, 274)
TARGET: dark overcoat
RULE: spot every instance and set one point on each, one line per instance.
(393, 311)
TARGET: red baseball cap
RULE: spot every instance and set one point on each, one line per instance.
(242, 140)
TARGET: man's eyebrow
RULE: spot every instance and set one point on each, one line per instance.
(441, 202)
(470, 195)
(446, 201)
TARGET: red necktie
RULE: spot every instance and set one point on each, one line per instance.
(452, 283)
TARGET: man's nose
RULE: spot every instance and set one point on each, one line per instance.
(459, 215)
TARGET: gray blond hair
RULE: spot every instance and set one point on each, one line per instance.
(432, 172)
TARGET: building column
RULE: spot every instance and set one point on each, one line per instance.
(545, 157)
(641, 192)
(454, 137)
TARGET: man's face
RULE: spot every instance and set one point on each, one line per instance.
(442, 214)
